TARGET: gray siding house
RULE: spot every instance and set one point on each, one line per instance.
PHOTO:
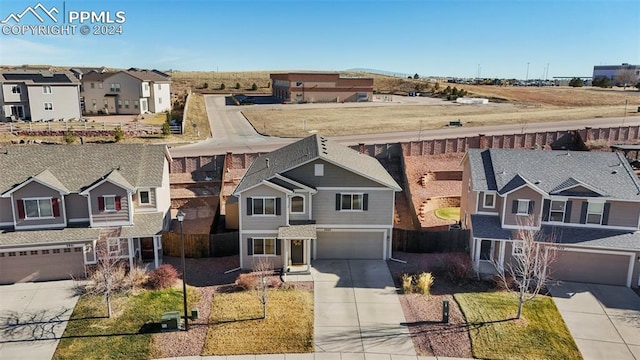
(587, 203)
(57, 202)
(314, 199)
(39, 95)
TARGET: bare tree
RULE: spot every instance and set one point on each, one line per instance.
(110, 275)
(626, 77)
(529, 271)
(262, 269)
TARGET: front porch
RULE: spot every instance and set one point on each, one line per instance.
(296, 250)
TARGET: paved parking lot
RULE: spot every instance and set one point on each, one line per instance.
(33, 317)
(604, 320)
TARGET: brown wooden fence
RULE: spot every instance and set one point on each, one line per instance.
(200, 245)
(431, 241)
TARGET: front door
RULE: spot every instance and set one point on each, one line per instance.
(17, 111)
(297, 252)
(486, 250)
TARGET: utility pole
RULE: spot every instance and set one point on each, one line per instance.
(527, 78)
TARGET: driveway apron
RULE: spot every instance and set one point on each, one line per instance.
(33, 317)
(603, 320)
(357, 309)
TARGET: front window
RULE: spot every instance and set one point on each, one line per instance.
(489, 201)
(114, 87)
(15, 89)
(523, 207)
(48, 106)
(264, 246)
(297, 204)
(556, 210)
(594, 213)
(110, 203)
(38, 208)
(46, 89)
(264, 206)
(119, 104)
(143, 197)
(518, 248)
(114, 247)
(351, 202)
(126, 104)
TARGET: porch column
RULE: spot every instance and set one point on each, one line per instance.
(476, 253)
(131, 251)
(286, 245)
(501, 256)
(156, 238)
(307, 253)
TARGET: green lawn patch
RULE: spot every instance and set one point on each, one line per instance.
(89, 334)
(237, 326)
(540, 334)
(448, 213)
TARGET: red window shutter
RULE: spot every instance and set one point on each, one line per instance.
(55, 204)
(118, 203)
(20, 206)
(100, 203)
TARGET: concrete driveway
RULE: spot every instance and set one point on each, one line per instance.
(357, 309)
(33, 317)
(604, 320)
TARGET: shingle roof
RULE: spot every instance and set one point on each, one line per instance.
(549, 170)
(39, 77)
(147, 75)
(311, 148)
(47, 178)
(96, 76)
(144, 225)
(297, 232)
(489, 227)
(77, 167)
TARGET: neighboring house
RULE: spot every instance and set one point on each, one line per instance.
(314, 199)
(130, 92)
(58, 201)
(320, 87)
(39, 95)
(587, 202)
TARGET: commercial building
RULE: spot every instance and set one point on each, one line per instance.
(320, 87)
(610, 71)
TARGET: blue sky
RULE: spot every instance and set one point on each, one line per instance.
(433, 38)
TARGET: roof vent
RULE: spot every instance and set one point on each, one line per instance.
(537, 182)
(267, 161)
(614, 172)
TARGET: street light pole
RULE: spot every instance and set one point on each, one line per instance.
(180, 217)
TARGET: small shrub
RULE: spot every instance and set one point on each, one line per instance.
(254, 87)
(424, 281)
(508, 283)
(238, 85)
(274, 282)
(407, 283)
(69, 137)
(205, 85)
(222, 87)
(137, 277)
(162, 277)
(458, 266)
(166, 129)
(118, 134)
(247, 281)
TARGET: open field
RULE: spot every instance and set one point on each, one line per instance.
(381, 119)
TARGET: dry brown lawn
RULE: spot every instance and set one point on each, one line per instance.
(197, 114)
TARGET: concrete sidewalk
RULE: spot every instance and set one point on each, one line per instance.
(603, 320)
(315, 356)
(357, 309)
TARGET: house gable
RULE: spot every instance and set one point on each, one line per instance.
(333, 176)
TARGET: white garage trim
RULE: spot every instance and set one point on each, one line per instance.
(365, 227)
(49, 247)
(383, 236)
(632, 257)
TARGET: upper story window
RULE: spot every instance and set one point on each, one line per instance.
(297, 204)
(263, 206)
(159, 100)
(318, 169)
(352, 202)
(594, 213)
(37, 208)
(114, 87)
(144, 197)
(523, 207)
(109, 203)
(557, 210)
(159, 86)
(146, 86)
(46, 89)
(15, 89)
(100, 85)
(93, 85)
(489, 201)
(48, 106)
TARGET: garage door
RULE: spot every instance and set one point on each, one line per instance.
(40, 265)
(349, 245)
(609, 269)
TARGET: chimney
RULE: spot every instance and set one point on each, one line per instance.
(361, 148)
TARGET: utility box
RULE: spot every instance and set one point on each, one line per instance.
(170, 321)
(194, 314)
(445, 311)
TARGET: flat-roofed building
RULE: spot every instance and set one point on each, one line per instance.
(320, 87)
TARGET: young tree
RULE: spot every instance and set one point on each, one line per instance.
(602, 81)
(254, 87)
(576, 82)
(416, 76)
(237, 85)
(222, 86)
(529, 271)
(262, 268)
(109, 276)
(118, 134)
(626, 77)
(69, 137)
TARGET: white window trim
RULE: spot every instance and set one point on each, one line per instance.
(50, 106)
(15, 89)
(318, 169)
(518, 213)
(564, 210)
(46, 89)
(105, 203)
(263, 198)
(517, 248)
(601, 213)
(291, 205)
(24, 205)
(144, 190)
(484, 201)
(352, 209)
(114, 242)
(264, 240)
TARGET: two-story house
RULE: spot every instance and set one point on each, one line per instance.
(587, 203)
(314, 199)
(131, 92)
(39, 95)
(58, 201)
